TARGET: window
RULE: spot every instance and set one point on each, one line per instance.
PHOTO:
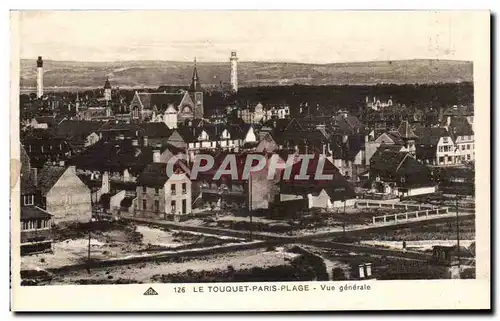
(468, 156)
(144, 189)
(172, 206)
(157, 206)
(463, 147)
(450, 159)
(441, 160)
(28, 199)
(445, 140)
(468, 146)
(38, 223)
(144, 204)
(440, 148)
(184, 188)
(157, 191)
(184, 206)
(172, 189)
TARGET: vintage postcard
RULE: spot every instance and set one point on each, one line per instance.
(250, 160)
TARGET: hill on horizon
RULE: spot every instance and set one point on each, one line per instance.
(136, 74)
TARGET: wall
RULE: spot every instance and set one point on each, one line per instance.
(267, 144)
(320, 201)
(115, 200)
(370, 149)
(178, 180)
(69, 199)
(250, 136)
(340, 204)
(445, 142)
(421, 190)
(164, 198)
(91, 139)
(462, 153)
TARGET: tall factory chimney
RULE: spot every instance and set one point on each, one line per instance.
(39, 77)
(234, 71)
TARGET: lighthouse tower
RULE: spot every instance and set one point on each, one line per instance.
(234, 71)
(107, 91)
(39, 77)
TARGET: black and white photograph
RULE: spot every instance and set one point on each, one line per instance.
(245, 147)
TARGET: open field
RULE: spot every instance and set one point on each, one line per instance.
(156, 73)
(188, 269)
(306, 224)
(118, 240)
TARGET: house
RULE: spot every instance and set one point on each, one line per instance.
(79, 134)
(397, 173)
(319, 192)
(43, 146)
(124, 159)
(163, 106)
(463, 136)
(63, 194)
(435, 146)
(163, 195)
(254, 192)
(45, 122)
(377, 104)
(36, 225)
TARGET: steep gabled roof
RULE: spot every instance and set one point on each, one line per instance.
(405, 131)
(430, 135)
(387, 160)
(337, 188)
(48, 177)
(156, 175)
(160, 100)
(155, 130)
(460, 126)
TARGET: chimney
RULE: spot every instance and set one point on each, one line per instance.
(105, 183)
(135, 142)
(34, 175)
(361, 269)
(156, 153)
(448, 121)
(368, 269)
(145, 140)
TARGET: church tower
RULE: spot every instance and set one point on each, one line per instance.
(234, 71)
(196, 92)
(107, 91)
(39, 77)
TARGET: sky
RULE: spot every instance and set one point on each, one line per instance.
(288, 36)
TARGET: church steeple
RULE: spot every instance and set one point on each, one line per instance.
(195, 80)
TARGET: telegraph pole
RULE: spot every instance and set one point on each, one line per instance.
(458, 234)
(250, 203)
(344, 217)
